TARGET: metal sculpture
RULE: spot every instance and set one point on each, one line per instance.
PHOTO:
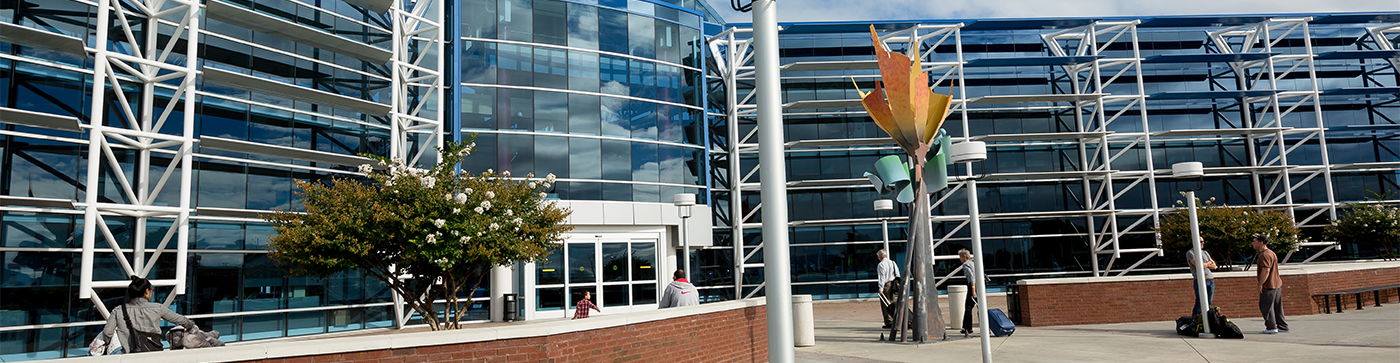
(903, 104)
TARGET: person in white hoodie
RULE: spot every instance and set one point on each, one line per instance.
(679, 292)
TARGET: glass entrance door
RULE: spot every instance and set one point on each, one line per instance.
(618, 271)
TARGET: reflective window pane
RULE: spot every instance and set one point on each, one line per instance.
(581, 263)
(551, 270)
(615, 262)
(585, 158)
(583, 26)
(550, 27)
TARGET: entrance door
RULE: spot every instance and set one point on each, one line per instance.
(619, 271)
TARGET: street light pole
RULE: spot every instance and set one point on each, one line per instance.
(1194, 169)
(683, 202)
(969, 152)
(777, 275)
(885, 205)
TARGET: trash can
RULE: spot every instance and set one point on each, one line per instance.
(957, 303)
(804, 333)
(510, 308)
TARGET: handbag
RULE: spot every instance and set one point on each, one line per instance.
(140, 341)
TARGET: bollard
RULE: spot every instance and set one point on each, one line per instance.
(804, 333)
(957, 304)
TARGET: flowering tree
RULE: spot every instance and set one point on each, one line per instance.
(1377, 225)
(432, 234)
(1227, 230)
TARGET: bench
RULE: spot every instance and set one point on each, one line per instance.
(1358, 291)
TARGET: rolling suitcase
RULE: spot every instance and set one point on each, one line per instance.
(999, 324)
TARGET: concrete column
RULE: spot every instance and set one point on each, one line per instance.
(501, 283)
(804, 333)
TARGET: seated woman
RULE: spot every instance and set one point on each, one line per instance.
(141, 314)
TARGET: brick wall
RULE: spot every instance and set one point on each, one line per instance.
(1167, 297)
(738, 335)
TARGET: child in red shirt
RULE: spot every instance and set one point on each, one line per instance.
(583, 305)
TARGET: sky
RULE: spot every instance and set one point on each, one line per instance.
(857, 10)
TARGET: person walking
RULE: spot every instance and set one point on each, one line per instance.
(679, 293)
(886, 272)
(969, 272)
(1210, 277)
(134, 327)
(581, 309)
(1270, 286)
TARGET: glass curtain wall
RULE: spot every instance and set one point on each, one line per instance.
(605, 96)
(1038, 226)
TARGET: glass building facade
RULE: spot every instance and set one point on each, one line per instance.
(629, 102)
(1083, 118)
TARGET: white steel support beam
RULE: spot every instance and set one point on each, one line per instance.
(1279, 144)
(418, 91)
(139, 128)
(418, 87)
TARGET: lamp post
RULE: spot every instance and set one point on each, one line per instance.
(969, 152)
(683, 202)
(884, 205)
(1194, 170)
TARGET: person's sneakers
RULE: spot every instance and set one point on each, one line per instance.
(1282, 330)
(886, 326)
(1269, 331)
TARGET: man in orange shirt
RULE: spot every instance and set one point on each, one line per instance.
(1270, 286)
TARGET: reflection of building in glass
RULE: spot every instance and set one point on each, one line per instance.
(604, 96)
(629, 103)
(1082, 119)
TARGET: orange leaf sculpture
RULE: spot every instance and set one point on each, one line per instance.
(902, 103)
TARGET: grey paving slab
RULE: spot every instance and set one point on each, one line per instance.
(1371, 335)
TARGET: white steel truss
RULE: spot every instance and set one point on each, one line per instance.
(733, 57)
(417, 116)
(1282, 139)
(129, 123)
(418, 89)
(138, 126)
(1099, 146)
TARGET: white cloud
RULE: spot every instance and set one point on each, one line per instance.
(836, 10)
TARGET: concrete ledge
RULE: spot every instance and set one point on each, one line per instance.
(1286, 270)
(391, 342)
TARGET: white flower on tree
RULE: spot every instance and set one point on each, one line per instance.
(486, 204)
(439, 222)
(365, 169)
(480, 210)
(462, 198)
(494, 226)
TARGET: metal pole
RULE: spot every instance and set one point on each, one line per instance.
(975, 221)
(1200, 269)
(685, 244)
(773, 177)
(885, 236)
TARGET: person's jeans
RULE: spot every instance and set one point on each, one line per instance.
(1210, 295)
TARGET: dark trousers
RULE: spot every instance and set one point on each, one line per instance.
(1271, 307)
(967, 311)
(1210, 295)
(887, 297)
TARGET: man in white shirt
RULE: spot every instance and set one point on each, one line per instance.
(887, 272)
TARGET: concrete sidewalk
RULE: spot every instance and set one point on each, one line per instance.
(1371, 335)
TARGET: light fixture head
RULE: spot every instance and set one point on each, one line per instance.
(968, 151)
(1189, 169)
(884, 205)
(683, 199)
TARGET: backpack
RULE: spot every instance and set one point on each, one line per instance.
(1221, 326)
(1188, 326)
